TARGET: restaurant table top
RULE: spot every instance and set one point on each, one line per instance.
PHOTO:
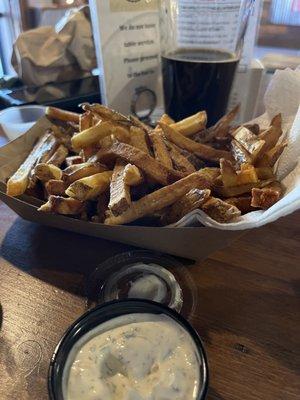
(247, 312)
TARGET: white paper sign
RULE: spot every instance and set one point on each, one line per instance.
(126, 34)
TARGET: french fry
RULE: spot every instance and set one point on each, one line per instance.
(254, 128)
(138, 139)
(189, 202)
(266, 197)
(264, 173)
(102, 206)
(87, 152)
(231, 177)
(62, 136)
(271, 156)
(85, 121)
(55, 187)
(190, 125)
(92, 135)
(142, 160)
(253, 144)
(160, 150)
(201, 150)
(220, 211)
(139, 124)
(43, 150)
(221, 128)
(132, 175)
(162, 198)
(89, 187)
(120, 198)
(58, 156)
(166, 119)
(72, 160)
(179, 160)
(45, 172)
(243, 203)
(240, 189)
(79, 171)
(107, 113)
(240, 154)
(272, 134)
(62, 115)
(62, 205)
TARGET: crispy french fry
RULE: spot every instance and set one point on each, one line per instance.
(78, 171)
(55, 187)
(254, 128)
(58, 156)
(132, 175)
(142, 160)
(264, 173)
(253, 144)
(160, 150)
(43, 150)
(72, 160)
(87, 152)
(62, 205)
(45, 172)
(271, 156)
(138, 139)
(166, 119)
(180, 162)
(106, 142)
(139, 124)
(201, 150)
(231, 177)
(264, 198)
(107, 113)
(85, 121)
(240, 154)
(220, 211)
(162, 198)
(62, 115)
(92, 135)
(189, 202)
(89, 187)
(243, 203)
(120, 198)
(221, 128)
(272, 134)
(190, 125)
(240, 189)
(102, 206)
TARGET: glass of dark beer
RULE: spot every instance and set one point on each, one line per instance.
(201, 45)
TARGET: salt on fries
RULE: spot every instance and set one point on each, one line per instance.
(105, 167)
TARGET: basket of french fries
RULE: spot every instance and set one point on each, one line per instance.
(109, 175)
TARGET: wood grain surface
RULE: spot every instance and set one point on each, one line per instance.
(247, 315)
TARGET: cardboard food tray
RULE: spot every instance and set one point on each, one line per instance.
(195, 242)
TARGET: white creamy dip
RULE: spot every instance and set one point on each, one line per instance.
(133, 357)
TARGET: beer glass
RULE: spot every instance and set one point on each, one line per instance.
(201, 45)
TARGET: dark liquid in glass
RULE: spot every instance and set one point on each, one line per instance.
(195, 80)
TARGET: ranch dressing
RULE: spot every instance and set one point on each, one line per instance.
(133, 357)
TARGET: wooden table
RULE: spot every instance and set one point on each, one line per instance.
(248, 313)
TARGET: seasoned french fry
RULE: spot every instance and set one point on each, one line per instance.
(231, 177)
(239, 153)
(190, 125)
(89, 187)
(253, 144)
(160, 150)
(242, 203)
(78, 171)
(240, 189)
(62, 205)
(265, 198)
(43, 150)
(55, 187)
(72, 160)
(132, 175)
(220, 211)
(201, 150)
(142, 160)
(62, 115)
(221, 128)
(138, 139)
(45, 172)
(272, 155)
(58, 156)
(92, 135)
(179, 160)
(189, 202)
(162, 198)
(120, 198)
(85, 121)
